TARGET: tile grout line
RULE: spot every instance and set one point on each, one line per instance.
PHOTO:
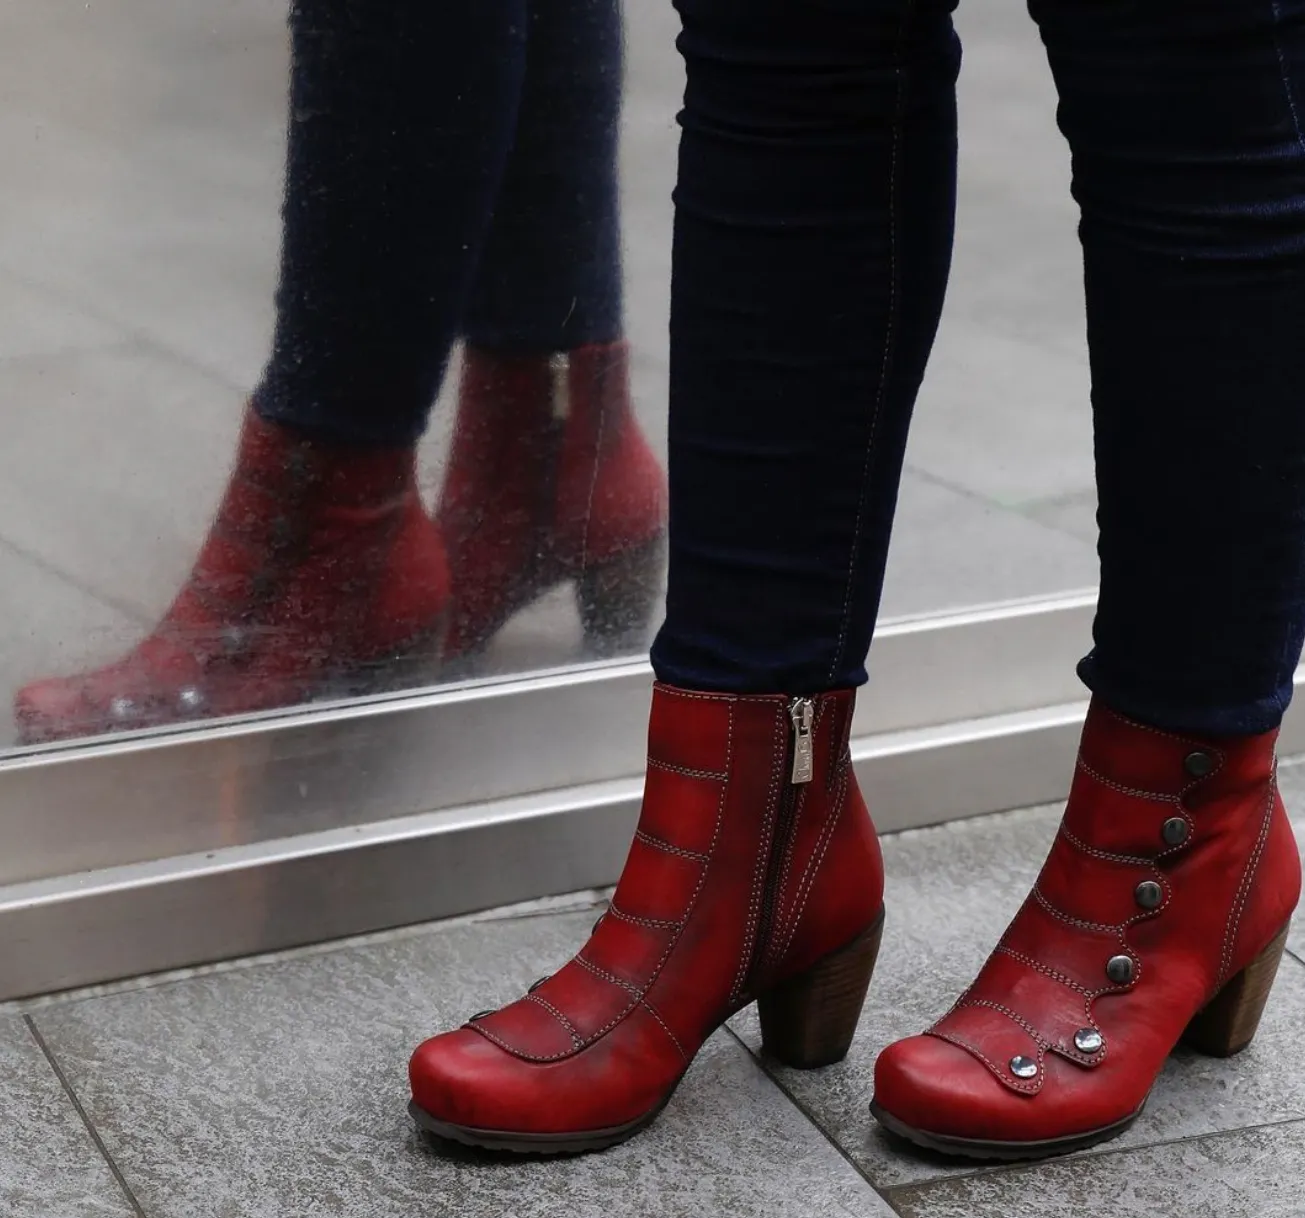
(53, 570)
(127, 1191)
(811, 1120)
(1026, 510)
(1033, 1165)
(133, 336)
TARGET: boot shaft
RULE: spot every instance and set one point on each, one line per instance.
(547, 454)
(1206, 820)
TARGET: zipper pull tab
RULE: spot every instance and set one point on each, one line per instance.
(559, 369)
(803, 712)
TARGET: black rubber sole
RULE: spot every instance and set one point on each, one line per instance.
(994, 1151)
(506, 1142)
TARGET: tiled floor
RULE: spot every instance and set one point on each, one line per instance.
(137, 260)
(275, 1087)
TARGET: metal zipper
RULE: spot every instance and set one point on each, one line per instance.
(800, 764)
(559, 370)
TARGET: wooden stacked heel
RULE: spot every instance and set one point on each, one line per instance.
(810, 1020)
(1229, 1021)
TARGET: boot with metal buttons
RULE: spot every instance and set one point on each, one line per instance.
(1159, 917)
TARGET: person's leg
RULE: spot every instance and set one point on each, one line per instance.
(550, 477)
(812, 244)
(550, 276)
(1192, 189)
(401, 120)
(322, 573)
(814, 221)
(1161, 911)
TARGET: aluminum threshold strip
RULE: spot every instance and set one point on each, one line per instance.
(112, 802)
(251, 898)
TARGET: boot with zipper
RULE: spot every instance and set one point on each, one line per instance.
(1159, 918)
(321, 576)
(550, 479)
(754, 875)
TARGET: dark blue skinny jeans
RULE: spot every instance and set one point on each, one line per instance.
(450, 171)
(813, 233)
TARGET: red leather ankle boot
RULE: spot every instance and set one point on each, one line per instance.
(551, 479)
(755, 874)
(321, 576)
(1160, 916)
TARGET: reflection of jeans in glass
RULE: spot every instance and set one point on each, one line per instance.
(814, 224)
(451, 169)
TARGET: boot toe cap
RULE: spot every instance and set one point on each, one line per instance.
(54, 709)
(462, 1078)
(932, 1087)
(457, 1079)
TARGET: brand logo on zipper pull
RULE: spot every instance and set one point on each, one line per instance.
(802, 711)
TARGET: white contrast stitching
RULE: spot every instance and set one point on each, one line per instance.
(1136, 792)
(1105, 856)
(670, 947)
(556, 1014)
(585, 963)
(648, 1006)
(657, 844)
(890, 330)
(1046, 971)
(685, 772)
(816, 861)
(790, 849)
(1002, 1073)
(1037, 1036)
(649, 923)
(693, 696)
(1233, 925)
(763, 858)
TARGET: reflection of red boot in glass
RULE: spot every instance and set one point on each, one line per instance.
(321, 576)
(551, 479)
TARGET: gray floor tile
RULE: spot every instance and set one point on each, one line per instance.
(112, 465)
(1006, 419)
(1075, 514)
(35, 322)
(958, 550)
(280, 1090)
(151, 180)
(1257, 1173)
(951, 892)
(49, 1166)
(1031, 288)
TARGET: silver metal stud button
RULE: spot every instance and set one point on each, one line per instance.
(1198, 764)
(1175, 831)
(1088, 1040)
(190, 699)
(1148, 894)
(121, 709)
(1023, 1067)
(1120, 969)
